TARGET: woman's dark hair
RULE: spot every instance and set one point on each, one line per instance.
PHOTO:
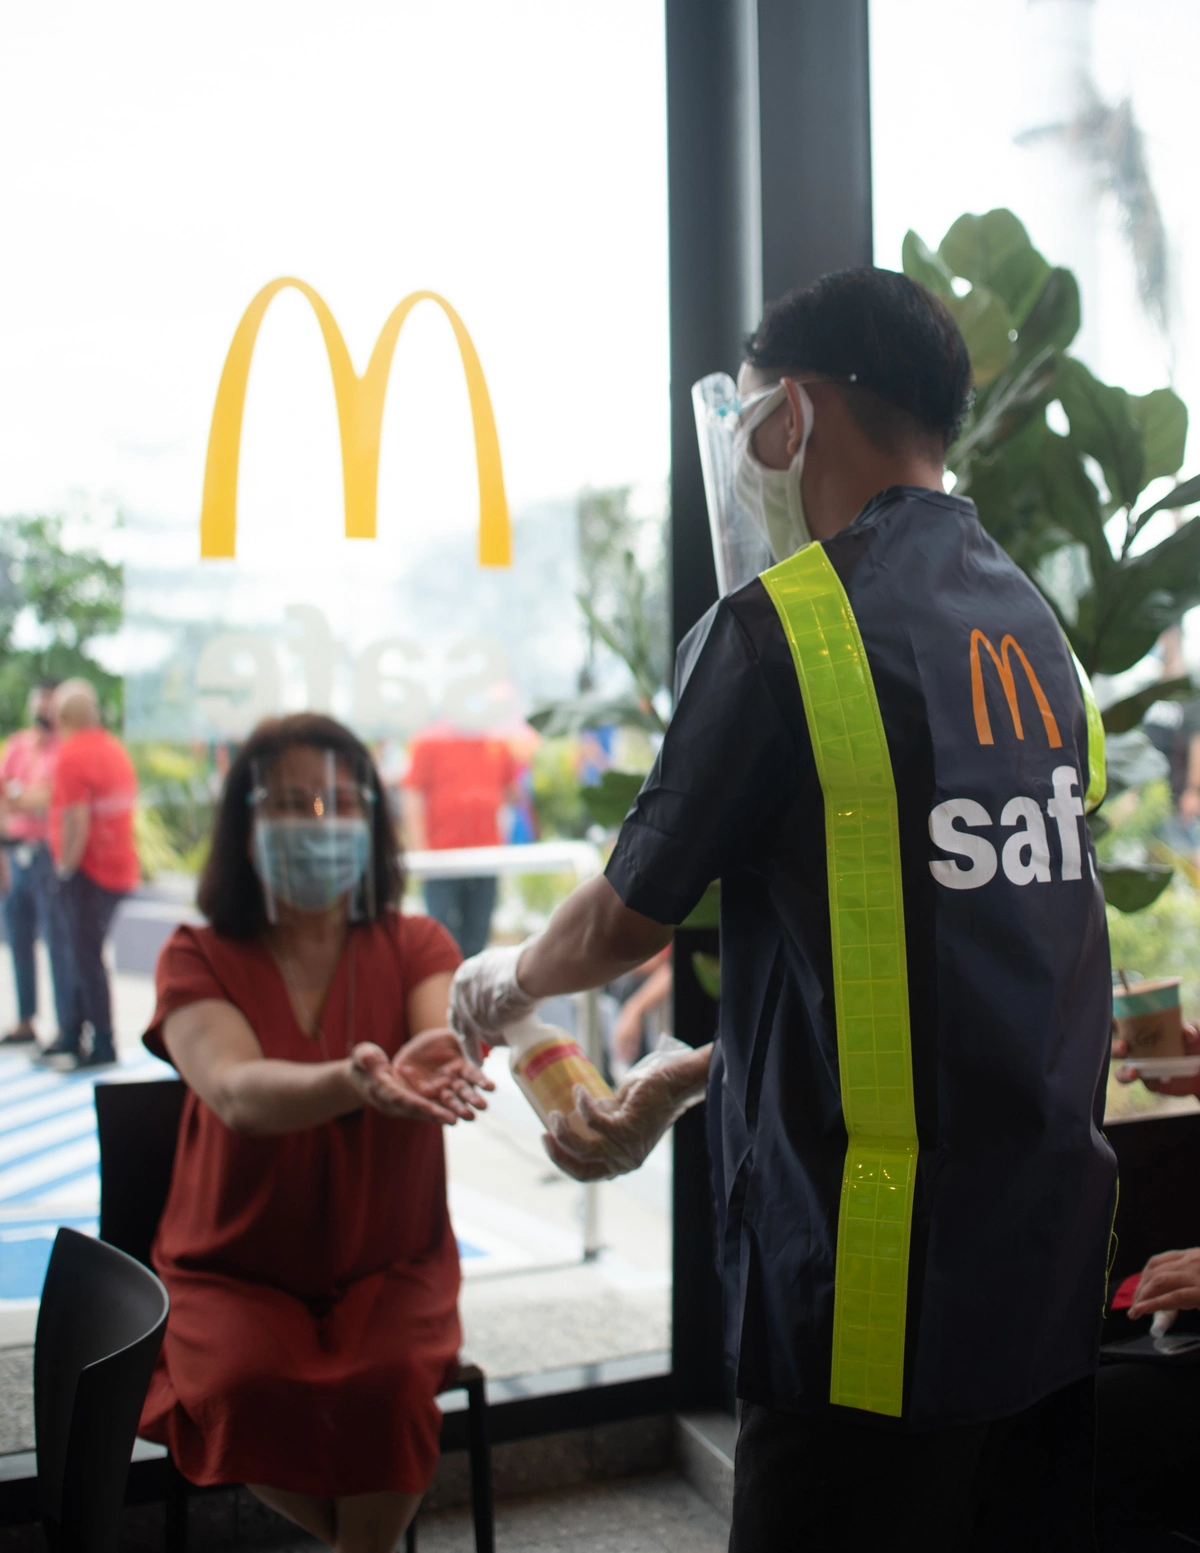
(890, 344)
(230, 894)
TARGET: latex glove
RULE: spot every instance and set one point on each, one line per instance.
(610, 1137)
(485, 998)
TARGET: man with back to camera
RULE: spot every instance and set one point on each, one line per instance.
(92, 804)
(883, 749)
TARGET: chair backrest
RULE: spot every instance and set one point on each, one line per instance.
(138, 1125)
(99, 1329)
(1155, 1211)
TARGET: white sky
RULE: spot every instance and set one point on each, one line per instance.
(164, 161)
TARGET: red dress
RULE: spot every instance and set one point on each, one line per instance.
(313, 1276)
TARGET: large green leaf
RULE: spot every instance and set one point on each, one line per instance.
(1133, 604)
(1013, 400)
(1131, 888)
(1162, 419)
(1186, 494)
(1132, 761)
(1101, 424)
(978, 247)
(1128, 713)
(919, 263)
(994, 250)
(985, 324)
(610, 799)
(1006, 488)
(1053, 319)
(1073, 501)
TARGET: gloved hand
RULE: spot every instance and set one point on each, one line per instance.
(610, 1137)
(485, 997)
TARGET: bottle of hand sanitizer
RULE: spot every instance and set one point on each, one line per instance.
(547, 1065)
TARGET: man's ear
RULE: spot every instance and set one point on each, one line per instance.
(795, 415)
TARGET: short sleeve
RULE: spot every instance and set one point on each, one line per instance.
(183, 975)
(728, 764)
(70, 779)
(425, 949)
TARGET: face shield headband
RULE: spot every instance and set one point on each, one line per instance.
(312, 833)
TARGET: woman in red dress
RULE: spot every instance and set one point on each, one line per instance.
(306, 1243)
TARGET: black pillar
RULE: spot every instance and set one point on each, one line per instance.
(768, 157)
(713, 236)
(815, 139)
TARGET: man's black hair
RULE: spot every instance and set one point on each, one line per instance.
(891, 343)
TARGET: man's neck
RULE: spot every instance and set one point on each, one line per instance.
(843, 491)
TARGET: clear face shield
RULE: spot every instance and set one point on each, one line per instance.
(312, 833)
(739, 549)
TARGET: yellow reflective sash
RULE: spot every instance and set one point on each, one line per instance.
(1097, 766)
(870, 980)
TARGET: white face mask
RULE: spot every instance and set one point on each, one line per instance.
(772, 496)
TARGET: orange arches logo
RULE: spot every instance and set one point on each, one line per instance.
(1009, 645)
(360, 402)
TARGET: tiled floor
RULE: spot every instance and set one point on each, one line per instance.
(659, 1514)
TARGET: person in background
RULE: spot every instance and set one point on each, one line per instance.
(92, 802)
(306, 1242)
(32, 904)
(644, 995)
(454, 791)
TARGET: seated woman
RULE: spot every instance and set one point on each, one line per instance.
(306, 1243)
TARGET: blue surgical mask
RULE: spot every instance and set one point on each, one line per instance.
(310, 864)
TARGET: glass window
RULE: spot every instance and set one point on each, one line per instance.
(1073, 114)
(169, 166)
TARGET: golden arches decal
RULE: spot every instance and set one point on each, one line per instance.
(360, 402)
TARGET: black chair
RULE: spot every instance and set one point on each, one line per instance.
(138, 1125)
(99, 1329)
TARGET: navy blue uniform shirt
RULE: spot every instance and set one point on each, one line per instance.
(1008, 969)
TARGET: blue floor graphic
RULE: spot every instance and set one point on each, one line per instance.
(50, 1163)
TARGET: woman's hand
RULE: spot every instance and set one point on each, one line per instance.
(1170, 1281)
(1186, 1084)
(429, 1079)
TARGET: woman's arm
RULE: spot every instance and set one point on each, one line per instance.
(218, 1055)
(428, 1003)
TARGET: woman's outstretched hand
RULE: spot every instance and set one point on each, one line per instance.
(430, 1079)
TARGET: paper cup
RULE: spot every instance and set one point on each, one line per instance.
(1148, 1017)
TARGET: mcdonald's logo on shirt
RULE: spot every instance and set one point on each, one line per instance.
(360, 402)
(1009, 647)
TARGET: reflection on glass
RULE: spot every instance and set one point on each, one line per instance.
(551, 246)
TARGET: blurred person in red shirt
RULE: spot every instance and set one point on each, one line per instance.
(92, 803)
(32, 905)
(455, 788)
